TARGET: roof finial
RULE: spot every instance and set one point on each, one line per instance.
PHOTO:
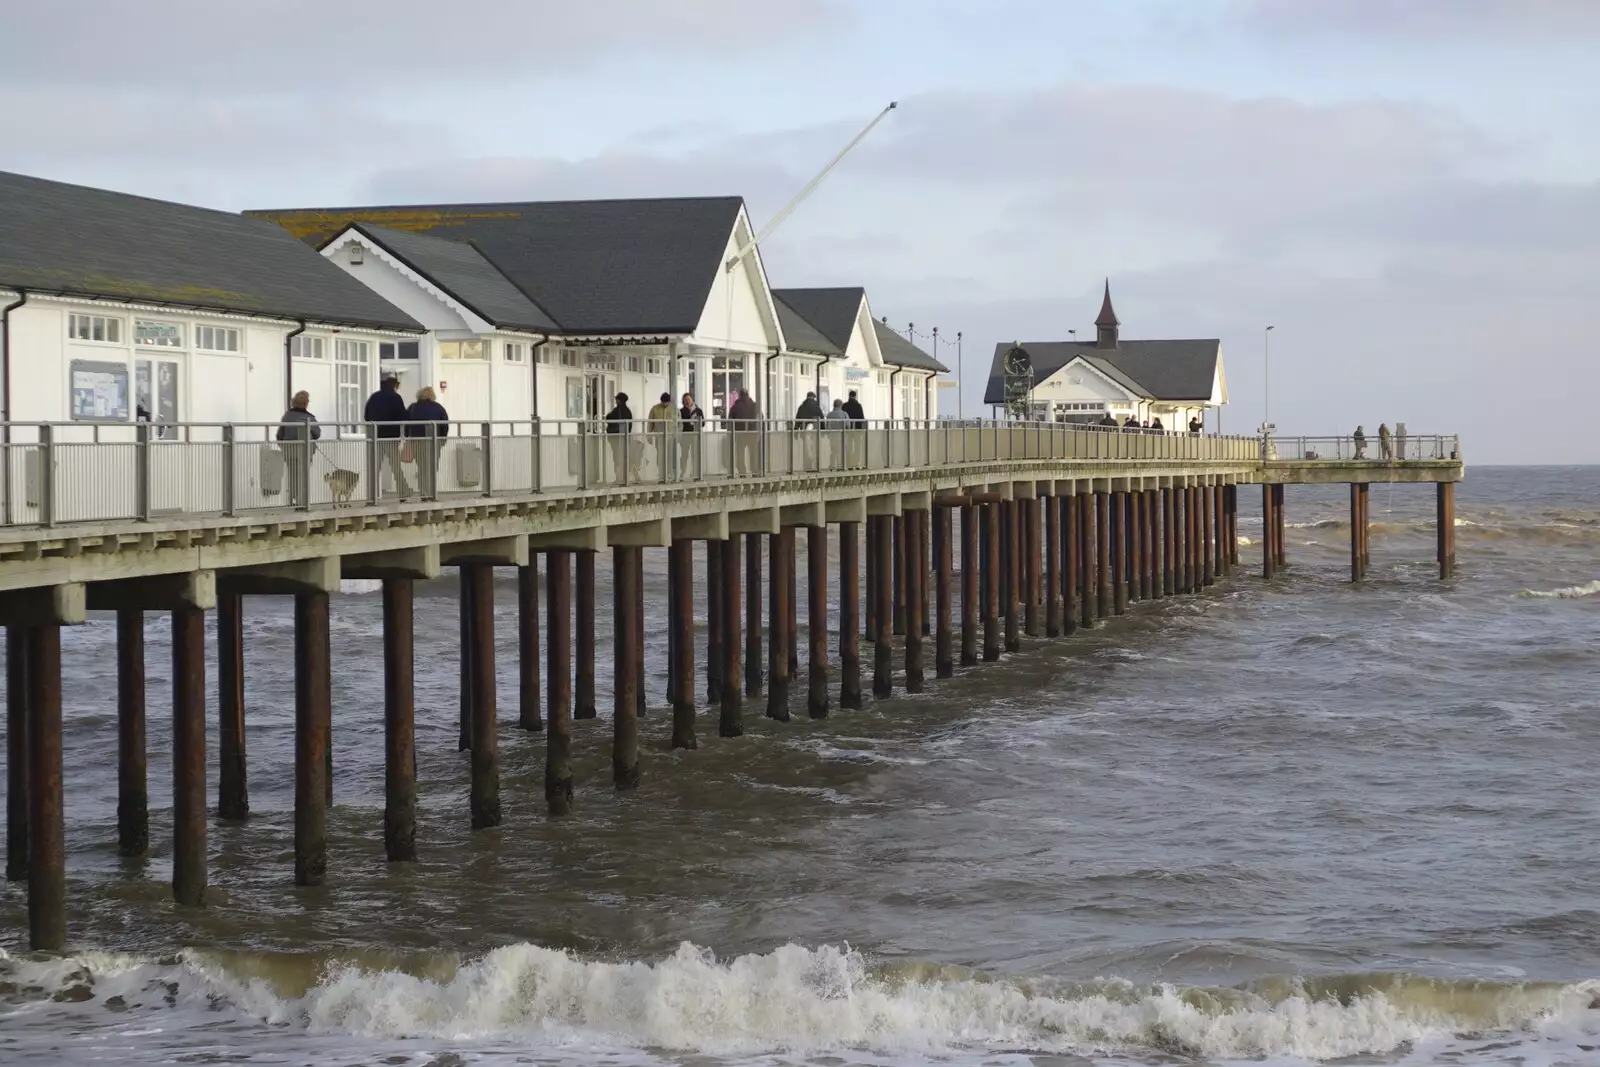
(1108, 317)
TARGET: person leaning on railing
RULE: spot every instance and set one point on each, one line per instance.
(428, 424)
(690, 418)
(661, 423)
(297, 433)
(384, 414)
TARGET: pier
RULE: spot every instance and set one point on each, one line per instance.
(1056, 527)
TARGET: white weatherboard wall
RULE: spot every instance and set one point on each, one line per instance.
(739, 314)
(861, 368)
(1077, 382)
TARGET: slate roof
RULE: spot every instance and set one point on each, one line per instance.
(902, 353)
(831, 311)
(595, 267)
(77, 241)
(462, 272)
(1164, 370)
(799, 335)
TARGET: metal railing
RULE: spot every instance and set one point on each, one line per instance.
(1399, 448)
(61, 473)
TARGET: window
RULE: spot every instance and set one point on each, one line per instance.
(515, 351)
(154, 334)
(602, 361)
(352, 361)
(216, 338)
(304, 347)
(461, 350)
(652, 366)
(569, 357)
(391, 350)
(546, 354)
(727, 375)
(95, 328)
(883, 377)
(633, 364)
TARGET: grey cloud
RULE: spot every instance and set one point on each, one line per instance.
(311, 46)
(1489, 20)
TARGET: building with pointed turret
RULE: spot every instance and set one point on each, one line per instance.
(1084, 381)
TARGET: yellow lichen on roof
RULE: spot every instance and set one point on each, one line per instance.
(324, 224)
(112, 286)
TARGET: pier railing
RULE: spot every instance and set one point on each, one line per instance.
(61, 473)
(1399, 448)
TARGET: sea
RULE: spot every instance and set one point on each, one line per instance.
(1275, 823)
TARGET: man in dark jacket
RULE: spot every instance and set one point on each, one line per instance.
(387, 408)
(852, 407)
(744, 417)
(855, 447)
(427, 425)
(809, 419)
(619, 429)
(296, 431)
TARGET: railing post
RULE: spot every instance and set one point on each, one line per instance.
(583, 454)
(141, 470)
(374, 469)
(486, 439)
(537, 448)
(229, 500)
(47, 476)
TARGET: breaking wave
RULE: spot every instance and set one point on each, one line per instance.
(1571, 592)
(796, 999)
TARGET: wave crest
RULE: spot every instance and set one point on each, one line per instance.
(1571, 592)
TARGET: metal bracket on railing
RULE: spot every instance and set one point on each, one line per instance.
(141, 471)
(229, 504)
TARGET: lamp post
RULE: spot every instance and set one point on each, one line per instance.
(1266, 379)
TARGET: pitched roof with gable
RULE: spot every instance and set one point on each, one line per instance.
(902, 353)
(831, 312)
(1161, 370)
(798, 334)
(462, 272)
(593, 266)
(77, 241)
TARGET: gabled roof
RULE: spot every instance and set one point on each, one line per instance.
(465, 275)
(830, 311)
(798, 334)
(593, 266)
(77, 241)
(902, 353)
(1160, 370)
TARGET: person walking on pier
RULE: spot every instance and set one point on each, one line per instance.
(1195, 426)
(1108, 419)
(809, 422)
(743, 417)
(1155, 425)
(619, 428)
(1385, 443)
(838, 430)
(297, 432)
(387, 409)
(1130, 424)
(855, 450)
(661, 422)
(691, 418)
(428, 424)
(1359, 439)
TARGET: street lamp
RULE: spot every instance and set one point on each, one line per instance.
(1266, 379)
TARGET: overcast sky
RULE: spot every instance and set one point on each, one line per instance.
(1406, 189)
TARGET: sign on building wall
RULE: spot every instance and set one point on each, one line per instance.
(99, 391)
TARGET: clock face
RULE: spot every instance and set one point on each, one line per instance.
(1017, 362)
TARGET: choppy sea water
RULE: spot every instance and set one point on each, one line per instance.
(1286, 823)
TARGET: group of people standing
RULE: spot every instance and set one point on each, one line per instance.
(405, 434)
(1385, 442)
(1153, 425)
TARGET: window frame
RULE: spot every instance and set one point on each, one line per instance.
(108, 324)
(140, 346)
(299, 342)
(514, 352)
(457, 345)
(201, 330)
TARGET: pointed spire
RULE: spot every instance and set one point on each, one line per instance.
(1108, 317)
(1105, 333)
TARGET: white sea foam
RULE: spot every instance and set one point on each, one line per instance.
(1571, 592)
(804, 1000)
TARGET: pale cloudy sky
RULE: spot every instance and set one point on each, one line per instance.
(1406, 189)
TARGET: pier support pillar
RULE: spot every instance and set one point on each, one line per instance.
(584, 699)
(916, 571)
(752, 613)
(882, 549)
(1355, 532)
(944, 664)
(233, 793)
(189, 752)
(680, 577)
(1011, 571)
(1102, 553)
(1269, 555)
(781, 548)
(969, 585)
(1207, 535)
(17, 715)
(1231, 499)
(399, 721)
(1168, 542)
(1197, 534)
(1071, 573)
(817, 700)
(464, 663)
(1119, 548)
(991, 580)
(1219, 560)
(133, 789)
(791, 626)
(529, 716)
(849, 615)
(626, 595)
(1138, 582)
(716, 603)
(897, 560)
(1052, 566)
(46, 842)
(1445, 507)
(731, 723)
(313, 716)
(1278, 515)
(558, 681)
(485, 786)
(1088, 568)
(872, 578)
(1152, 541)
(1028, 509)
